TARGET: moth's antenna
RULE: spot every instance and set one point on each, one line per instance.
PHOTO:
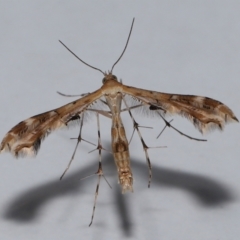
(81, 59)
(125, 46)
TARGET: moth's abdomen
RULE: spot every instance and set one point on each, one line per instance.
(121, 155)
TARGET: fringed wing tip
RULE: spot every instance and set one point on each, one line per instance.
(25, 150)
(25, 138)
(208, 124)
(235, 118)
(12, 144)
(21, 151)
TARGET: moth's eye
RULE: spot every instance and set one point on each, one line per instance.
(104, 80)
(115, 78)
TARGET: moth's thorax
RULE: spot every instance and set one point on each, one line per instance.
(114, 102)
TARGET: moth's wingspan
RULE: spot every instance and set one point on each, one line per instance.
(205, 113)
(26, 136)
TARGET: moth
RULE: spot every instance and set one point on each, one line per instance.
(204, 113)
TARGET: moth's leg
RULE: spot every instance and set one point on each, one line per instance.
(168, 124)
(132, 107)
(100, 170)
(78, 95)
(145, 147)
(129, 108)
(79, 139)
(108, 113)
(102, 112)
(71, 95)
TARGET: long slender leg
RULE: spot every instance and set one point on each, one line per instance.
(145, 147)
(72, 95)
(102, 112)
(129, 108)
(108, 113)
(134, 131)
(132, 107)
(78, 95)
(99, 147)
(96, 193)
(99, 171)
(168, 124)
(79, 139)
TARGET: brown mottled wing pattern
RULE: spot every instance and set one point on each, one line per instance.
(26, 136)
(205, 113)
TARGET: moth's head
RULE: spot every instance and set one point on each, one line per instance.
(108, 77)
